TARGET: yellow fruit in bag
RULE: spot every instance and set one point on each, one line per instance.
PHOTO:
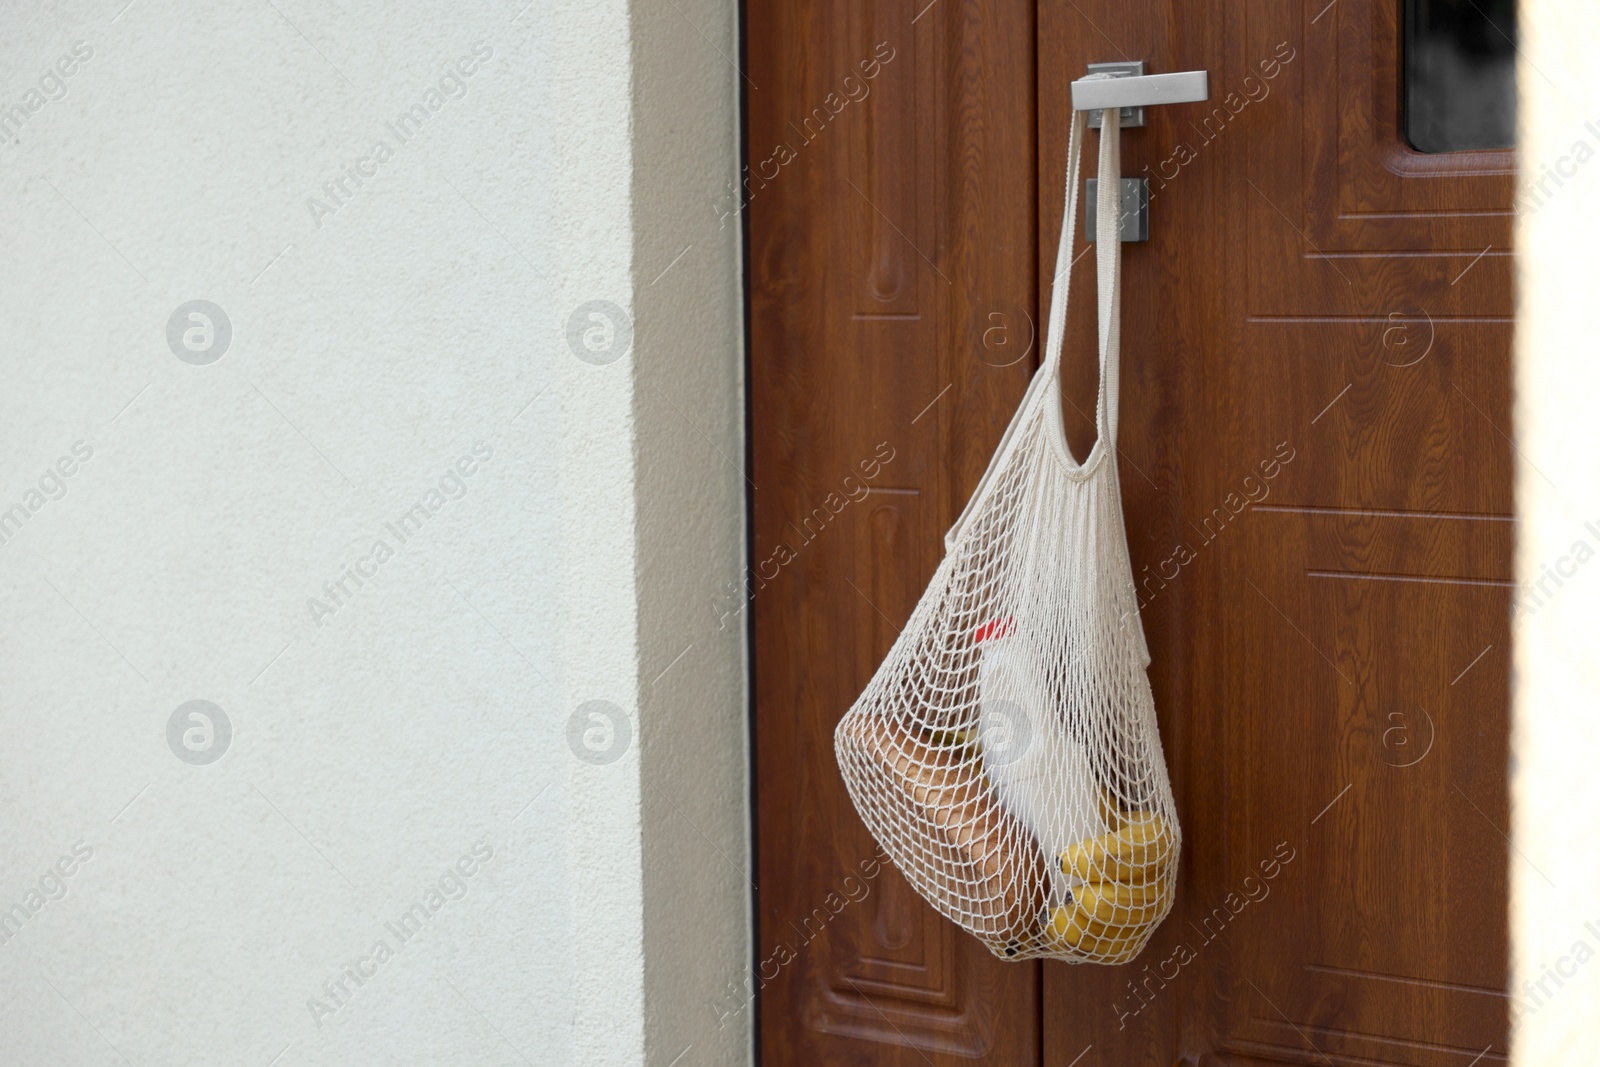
(1110, 906)
(1110, 950)
(1073, 924)
(1110, 814)
(1133, 855)
(1068, 925)
(1127, 896)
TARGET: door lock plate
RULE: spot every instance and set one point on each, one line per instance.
(1135, 209)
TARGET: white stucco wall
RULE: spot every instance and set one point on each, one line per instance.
(404, 332)
(1555, 863)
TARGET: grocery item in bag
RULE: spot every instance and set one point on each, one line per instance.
(978, 842)
(1039, 774)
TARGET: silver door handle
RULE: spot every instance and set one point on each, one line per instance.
(1131, 89)
(1183, 88)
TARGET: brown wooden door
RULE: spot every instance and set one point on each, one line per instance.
(1317, 486)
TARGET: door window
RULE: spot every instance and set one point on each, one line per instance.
(1460, 74)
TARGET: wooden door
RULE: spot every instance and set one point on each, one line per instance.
(1317, 485)
(892, 273)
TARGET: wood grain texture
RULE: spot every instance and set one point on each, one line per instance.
(891, 311)
(1317, 485)
(1330, 657)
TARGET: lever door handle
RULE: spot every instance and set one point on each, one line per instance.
(1142, 91)
(1132, 90)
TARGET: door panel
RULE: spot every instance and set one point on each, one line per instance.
(892, 274)
(1317, 484)
(1338, 702)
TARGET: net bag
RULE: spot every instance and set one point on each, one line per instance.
(1005, 754)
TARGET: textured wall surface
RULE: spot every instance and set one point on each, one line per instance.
(423, 501)
(1555, 864)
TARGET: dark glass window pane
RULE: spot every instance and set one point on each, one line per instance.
(1460, 74)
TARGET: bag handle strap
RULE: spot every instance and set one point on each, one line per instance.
(1108, 270)
(1108, 278)
(1045, 386)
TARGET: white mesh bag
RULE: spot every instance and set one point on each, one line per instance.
(1005, 754)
